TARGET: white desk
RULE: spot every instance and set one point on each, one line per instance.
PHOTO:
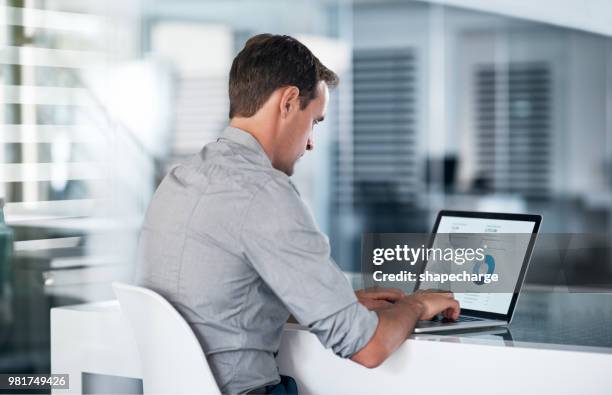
(94, 338)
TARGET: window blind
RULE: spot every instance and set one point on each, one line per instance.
(514, 133)
(384, 151)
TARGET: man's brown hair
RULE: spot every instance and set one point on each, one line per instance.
(268, 62)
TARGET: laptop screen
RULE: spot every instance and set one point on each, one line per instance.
(506, 243)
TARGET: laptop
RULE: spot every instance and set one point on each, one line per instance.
(494, 231)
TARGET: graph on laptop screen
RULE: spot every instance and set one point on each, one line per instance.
(505, 243)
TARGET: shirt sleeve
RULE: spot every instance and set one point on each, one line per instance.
(346, 331)
(283, 244)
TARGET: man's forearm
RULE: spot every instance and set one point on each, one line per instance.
(397, 321)
(395, 324)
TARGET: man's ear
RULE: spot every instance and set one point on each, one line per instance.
(290, 100)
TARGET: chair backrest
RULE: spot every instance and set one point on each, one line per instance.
(172, 358)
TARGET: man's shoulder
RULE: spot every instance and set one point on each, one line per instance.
(228, 176)
(221, 163)
(228, 163)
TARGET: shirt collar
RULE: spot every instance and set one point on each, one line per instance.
(245, 139)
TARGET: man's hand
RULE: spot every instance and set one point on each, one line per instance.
(377, 298)
(437, 302)
(396, 322)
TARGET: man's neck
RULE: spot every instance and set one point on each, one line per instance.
(257, 128)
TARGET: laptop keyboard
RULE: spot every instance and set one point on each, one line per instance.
(440, 321)
(461, 318)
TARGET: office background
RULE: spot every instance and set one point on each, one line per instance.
(439, 106)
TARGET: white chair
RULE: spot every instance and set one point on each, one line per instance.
(172, 358)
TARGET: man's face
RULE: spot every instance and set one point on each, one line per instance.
(296, 136)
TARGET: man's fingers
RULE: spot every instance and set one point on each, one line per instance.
(450, 314)
(439, 303)
(449, 308)
(453, 310)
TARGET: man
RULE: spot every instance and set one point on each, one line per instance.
(228, 241)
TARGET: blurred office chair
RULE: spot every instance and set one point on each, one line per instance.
(173, 361)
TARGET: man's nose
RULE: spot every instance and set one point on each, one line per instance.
(309, 144)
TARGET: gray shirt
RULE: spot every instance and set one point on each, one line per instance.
(230, 243)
